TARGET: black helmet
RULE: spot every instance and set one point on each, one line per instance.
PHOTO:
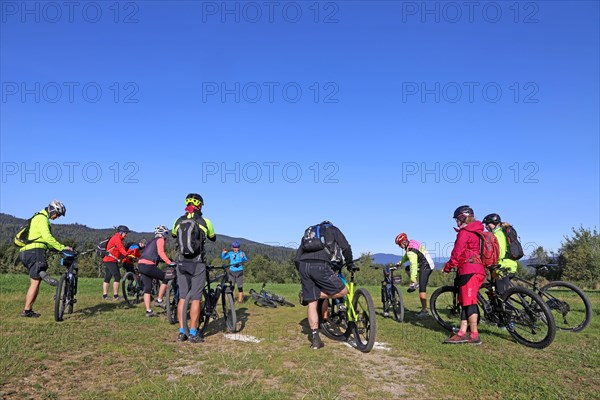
(462, 212)
(492, 219)
(195, 199)
(122, 229)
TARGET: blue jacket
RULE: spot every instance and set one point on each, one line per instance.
(235, 259)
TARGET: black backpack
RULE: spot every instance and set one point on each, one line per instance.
(314, 239)
(514, 250)
(190, 238)
(101, 250)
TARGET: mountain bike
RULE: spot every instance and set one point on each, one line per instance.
(391, 297)
(172, 300)
(352, 315)
(266, 299)
(67, 285)
(571, 308)
(520, 310)
(132, 286)
(223, 291)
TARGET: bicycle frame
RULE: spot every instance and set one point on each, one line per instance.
(352, 314)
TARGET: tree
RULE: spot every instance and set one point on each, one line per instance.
(580, 256)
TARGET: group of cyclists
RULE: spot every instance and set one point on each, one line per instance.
(316, 264)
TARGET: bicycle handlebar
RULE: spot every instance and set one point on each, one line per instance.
(538, 266)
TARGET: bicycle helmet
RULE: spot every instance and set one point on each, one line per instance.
(161, 230)
(492, 219)
(122, 229)
(401, 238)
(235, 244)
(57, 207)
(462, 212)
(194, 199)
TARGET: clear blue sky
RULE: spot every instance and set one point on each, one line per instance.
(379, 116)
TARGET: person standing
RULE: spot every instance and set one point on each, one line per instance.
(191, 231)
(236, 268)
(115, 251)
(33, 254)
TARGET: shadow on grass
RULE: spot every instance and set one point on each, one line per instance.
(102, 307)
(220, 325)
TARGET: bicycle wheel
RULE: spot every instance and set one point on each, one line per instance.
(262, 302)
(60, 298)
(397, 304)
(172, 300)
(529, 320)
(335, 326)
(281, 301)
(129, 288)
(445, 308)
(203, 318)
(570, 307)
(365, 327)
(229, 311)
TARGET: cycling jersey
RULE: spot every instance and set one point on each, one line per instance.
(115, 248)
(133, 253)
(154, 252)
(40, 230)
(466, 252)
(235, 260)
(507, 263)
(419, 259)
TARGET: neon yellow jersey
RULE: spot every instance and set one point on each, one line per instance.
(40, 231)
(506, 263)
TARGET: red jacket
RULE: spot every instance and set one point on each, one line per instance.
(115, 248)
(132, 255)
(466, 252)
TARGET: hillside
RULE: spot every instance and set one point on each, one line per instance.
(84, 237)
(384, 259)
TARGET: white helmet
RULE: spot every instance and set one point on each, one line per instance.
(57, 207)
(160, 230)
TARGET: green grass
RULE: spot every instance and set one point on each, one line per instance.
(110, 350)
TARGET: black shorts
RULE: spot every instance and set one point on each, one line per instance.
(35, 262)
(128, 267)
(316, 278)
(111, 269)
(149, 272)
(423, 279)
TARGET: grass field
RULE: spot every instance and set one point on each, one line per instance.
(111, 350)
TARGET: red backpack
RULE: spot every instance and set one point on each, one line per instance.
(489, 249)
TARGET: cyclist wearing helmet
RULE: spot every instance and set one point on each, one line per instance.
(115, 251)
(33, 254)
(466, 257)
(191, 264)
(236, 269)
(133, 254)
(494, 224)
(152, 254)
(421, 264)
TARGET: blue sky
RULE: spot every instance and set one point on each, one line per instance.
(382, 117)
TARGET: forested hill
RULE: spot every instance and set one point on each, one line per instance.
(85, 237)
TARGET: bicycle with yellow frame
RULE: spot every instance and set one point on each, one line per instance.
(352, 316)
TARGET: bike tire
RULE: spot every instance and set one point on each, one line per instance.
(365, 327)
(131, 294)
(203, 318)
(397, 304)
(335, 326)
(172, 300)
(280, 300)
(445, 308)
(530, 321)
(567, 300)
(229, 312)
(287, 303)
(262, 302)
(60, 298)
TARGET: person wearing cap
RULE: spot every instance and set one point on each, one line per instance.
(236, 268)
(33, 254)
(421, 266)
(115, 251)
(191, 262)
(466, 258)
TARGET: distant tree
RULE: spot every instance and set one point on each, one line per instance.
(580, 256)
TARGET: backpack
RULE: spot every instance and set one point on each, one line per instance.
(190, 238)
(21, 238)
(514, 250)
(313, 239)
(489, 249)
(101, 250)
